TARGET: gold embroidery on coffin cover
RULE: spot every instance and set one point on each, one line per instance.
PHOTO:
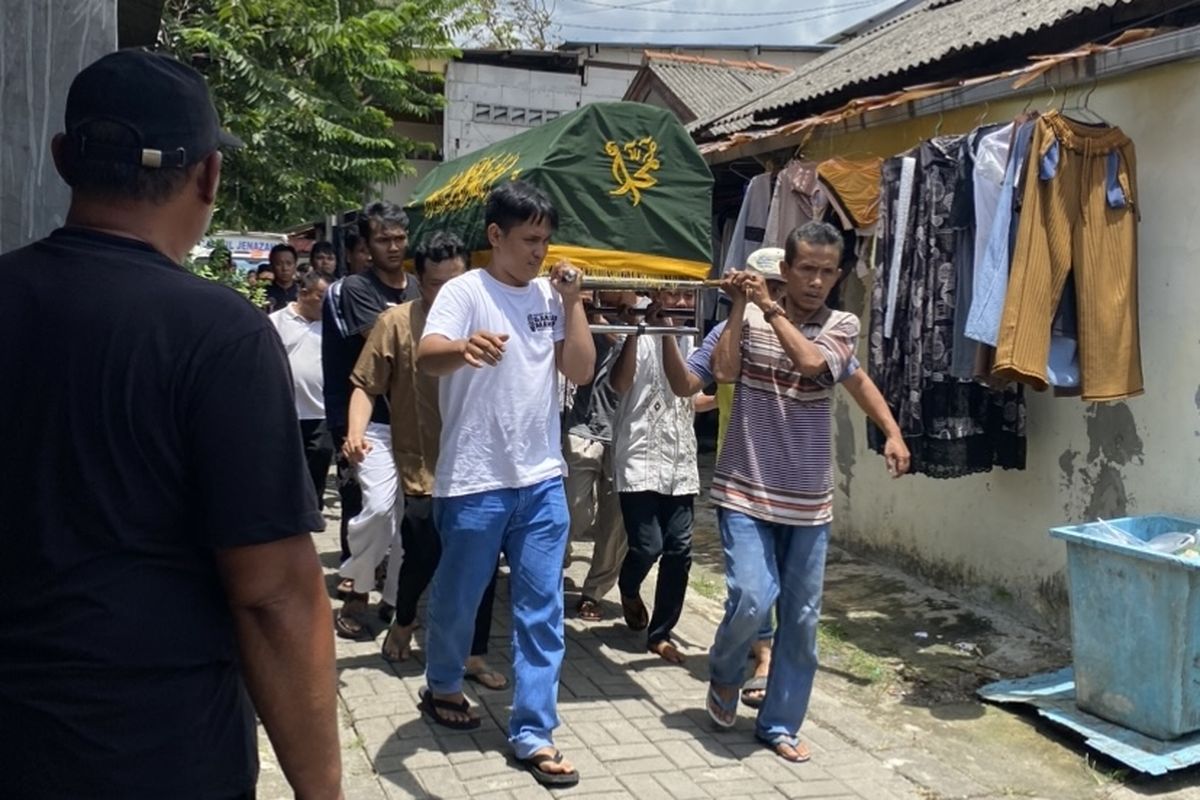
(472, 185)
(641, 153)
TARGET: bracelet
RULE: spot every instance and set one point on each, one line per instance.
(771, 313)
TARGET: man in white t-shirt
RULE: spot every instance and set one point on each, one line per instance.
(497, 338)
(299, 326)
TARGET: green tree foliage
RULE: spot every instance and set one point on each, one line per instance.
(219, 267)
(516, 24)
(313, 87)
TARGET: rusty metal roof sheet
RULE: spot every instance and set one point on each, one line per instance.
(928, 33)
(707, 85)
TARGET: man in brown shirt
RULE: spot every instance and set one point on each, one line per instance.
(388, 366)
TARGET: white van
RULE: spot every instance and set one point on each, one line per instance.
(248, 249)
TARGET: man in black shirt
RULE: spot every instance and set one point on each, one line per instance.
(323, 259)
(283, 289)
(372, 525)
(166, 569)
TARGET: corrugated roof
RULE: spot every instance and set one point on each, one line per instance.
(707, 85)
(927, 34)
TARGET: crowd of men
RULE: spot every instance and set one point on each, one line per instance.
(179, 567)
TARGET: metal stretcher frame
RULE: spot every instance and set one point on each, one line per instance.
(644, 284)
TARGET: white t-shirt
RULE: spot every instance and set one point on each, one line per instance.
(302, 340)
(500, 425)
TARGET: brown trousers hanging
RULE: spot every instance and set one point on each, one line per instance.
(1079, 215)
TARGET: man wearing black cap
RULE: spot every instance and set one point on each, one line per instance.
(165, 564)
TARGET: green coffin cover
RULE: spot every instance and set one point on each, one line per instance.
(633, 194)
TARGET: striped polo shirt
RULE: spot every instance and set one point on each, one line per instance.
(776, 463)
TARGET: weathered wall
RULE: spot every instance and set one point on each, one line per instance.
(987, 534)
(44, 44)
(548, 94)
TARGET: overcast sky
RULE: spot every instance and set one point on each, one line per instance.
(744, 22)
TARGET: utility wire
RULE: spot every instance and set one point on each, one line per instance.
(602, 7)
(757, 26)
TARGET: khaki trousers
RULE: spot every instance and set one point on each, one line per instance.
(1079, 216)
(595, 508)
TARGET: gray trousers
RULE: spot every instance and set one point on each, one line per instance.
(595, 510)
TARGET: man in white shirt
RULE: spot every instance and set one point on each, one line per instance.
(299, 326)
(657, 479)
(497, 338)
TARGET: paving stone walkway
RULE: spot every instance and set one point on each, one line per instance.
(634, 726)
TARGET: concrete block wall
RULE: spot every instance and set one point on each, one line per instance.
(468, 85)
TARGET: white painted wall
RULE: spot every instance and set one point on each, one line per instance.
(987, 534)
(46, 44)
(468, 85)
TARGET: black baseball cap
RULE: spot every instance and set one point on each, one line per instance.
(162, 102)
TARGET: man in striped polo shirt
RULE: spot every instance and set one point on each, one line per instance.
(773, 482)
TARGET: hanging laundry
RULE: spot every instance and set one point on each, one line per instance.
(985, 159)
(952, 427)
(852, 189)
(797, 199)
(991, 271)
(1079, 218)
(901, 231)
(751, 222)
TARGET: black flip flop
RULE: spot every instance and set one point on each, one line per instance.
(553, 780)
(636, 615)
(756, 684)
(431, 705)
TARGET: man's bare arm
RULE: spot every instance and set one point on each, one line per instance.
(356, 446)
(727, 355)
(575, 355)
(868, 397)
(281, 616)
(620, 377)
(683, 382)
(438, 355)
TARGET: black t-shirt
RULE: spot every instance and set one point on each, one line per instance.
(595, 404)
(278, 297)
(147, 420)
(351, 307)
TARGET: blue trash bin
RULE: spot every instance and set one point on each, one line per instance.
(1135, 627)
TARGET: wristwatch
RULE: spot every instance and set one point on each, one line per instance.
(772, 312)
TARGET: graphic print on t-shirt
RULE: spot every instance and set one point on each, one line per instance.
(541, 322)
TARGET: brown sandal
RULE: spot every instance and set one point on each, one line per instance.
(347, 624)
(589, 610)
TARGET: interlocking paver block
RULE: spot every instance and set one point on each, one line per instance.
(644, 787)
(625, 752)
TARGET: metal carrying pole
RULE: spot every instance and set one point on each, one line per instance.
(607, 283)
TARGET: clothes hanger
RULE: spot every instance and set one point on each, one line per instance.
(936, 128)
(734, 170)
(798, 153)
(979, 120)
(1082, 112)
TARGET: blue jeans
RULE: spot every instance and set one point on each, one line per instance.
(529, 525)
(767, 562)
